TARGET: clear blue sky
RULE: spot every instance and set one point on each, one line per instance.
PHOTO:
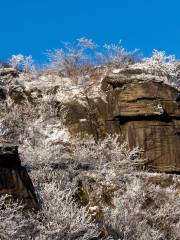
(32, 26)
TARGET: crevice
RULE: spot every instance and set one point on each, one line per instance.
(173, 172)
(151, 99)
(161, 118)
(141, 98)
(118, 84)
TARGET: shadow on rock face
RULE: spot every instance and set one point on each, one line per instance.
(14, 179)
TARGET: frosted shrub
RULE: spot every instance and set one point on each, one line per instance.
(107, 158)
(107, 155)
(120, 200)
(115, 56)
(16, 60)
(13, 222)
(159, 64)
(84, 61)
(24, 63)
(72, 60)
(145, 212)
(12, 123)
(61, 218)
(81, 58)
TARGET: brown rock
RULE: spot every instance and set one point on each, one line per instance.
(6, 71)
(17, 93)
(14, 179)
(143, 113)
(149, 117)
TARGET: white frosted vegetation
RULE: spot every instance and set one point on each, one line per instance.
(136, 208)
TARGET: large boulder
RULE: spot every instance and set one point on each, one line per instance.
(14, 179)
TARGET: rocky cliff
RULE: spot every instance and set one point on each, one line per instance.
(148, 116)
(141, 108)
(144, 112)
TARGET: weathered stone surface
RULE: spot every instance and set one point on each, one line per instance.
(143, 113)
(149, 117)
(7, 74)
(17, 92)
(14, 179)
(8, 70)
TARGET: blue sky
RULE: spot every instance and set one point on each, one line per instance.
(33, 26)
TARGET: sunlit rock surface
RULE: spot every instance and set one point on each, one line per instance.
(143, 109)
(143, 113)
(148, 114)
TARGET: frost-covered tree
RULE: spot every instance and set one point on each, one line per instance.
(81, 58)
(14, 223)
(145, 212)
(74, 59)
(22, 62)
(116, 56)
(60, 218)
(161, 64)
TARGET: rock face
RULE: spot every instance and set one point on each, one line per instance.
(14, 179)
(139, 107)
(149, 117)
(143, 113)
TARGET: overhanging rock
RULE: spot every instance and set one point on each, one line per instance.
(14, 179)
